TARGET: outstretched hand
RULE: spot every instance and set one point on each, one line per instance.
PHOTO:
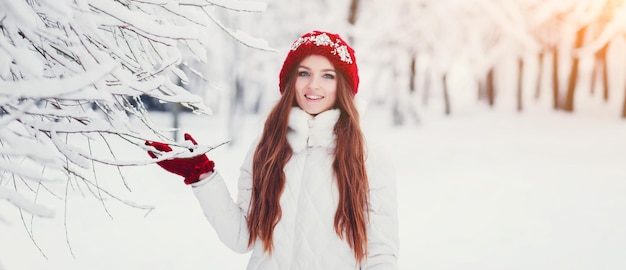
(189, 168)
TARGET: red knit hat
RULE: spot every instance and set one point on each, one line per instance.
(332, 46)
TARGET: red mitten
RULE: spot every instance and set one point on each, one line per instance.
(189, 168)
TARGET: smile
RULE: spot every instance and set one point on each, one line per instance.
(313, 97)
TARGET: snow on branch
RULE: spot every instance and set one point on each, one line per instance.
(25, 204)
(240, 36)
(237, 5)
(71, 76)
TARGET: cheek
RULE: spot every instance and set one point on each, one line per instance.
(330, 85)
(299, 85)
(332, 91)
(333, 99)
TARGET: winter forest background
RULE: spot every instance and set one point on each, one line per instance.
(505, 120)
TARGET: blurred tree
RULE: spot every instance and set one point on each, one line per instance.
(610, 25)
(585, 15)
(520, 85)
(601, 72)
(568, 104)
(353, 10)
(564, 28)
(388, 49)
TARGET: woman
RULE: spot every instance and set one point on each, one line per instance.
(312, 194)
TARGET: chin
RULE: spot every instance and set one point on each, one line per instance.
(314, 111)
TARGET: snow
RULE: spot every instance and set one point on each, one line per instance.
(27, 205)
(242, 36)
(27, 173)
(56, 87)
(484, 189)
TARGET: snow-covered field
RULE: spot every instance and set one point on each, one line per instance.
(480, 190)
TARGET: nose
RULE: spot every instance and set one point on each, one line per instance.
(314, 83)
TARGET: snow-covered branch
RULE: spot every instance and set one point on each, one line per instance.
(71, 76)
(25, 204)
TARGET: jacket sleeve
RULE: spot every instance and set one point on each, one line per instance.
(382, 229)
(227, 217)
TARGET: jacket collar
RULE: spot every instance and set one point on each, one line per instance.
(310, 131)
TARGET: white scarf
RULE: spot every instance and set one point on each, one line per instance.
(310, 131)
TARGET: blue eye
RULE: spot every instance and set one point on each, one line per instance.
(329, 76)
(303, 74)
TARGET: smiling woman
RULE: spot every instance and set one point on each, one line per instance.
(312, 193)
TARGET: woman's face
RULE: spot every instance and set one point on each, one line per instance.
(316, 84)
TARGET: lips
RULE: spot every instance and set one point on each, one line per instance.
(313, 97)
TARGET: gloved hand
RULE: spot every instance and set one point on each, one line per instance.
(189, 168)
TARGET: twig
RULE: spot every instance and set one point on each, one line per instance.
(118, 168)
(136, 30)
(67, 237)
(113, 196)
(95, 176)
(30, 235)
(208, 4)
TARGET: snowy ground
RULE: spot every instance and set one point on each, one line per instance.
(481, 190)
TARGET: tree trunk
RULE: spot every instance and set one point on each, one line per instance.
(597, 68)
(624, 108)
(413, 74)
(491, 92)
(605, 79)
(573, 76)
(428, 82)
(236, 110)
(176, 122)
(176, 114)
(354, 6)
(398, 109)
(403, 109)
(601, 60)
(352, 12)
(555, 79)
(481, 90)
(520, 84)
(539, 76)
(446, 96)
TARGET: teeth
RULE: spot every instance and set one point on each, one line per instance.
(313, 97)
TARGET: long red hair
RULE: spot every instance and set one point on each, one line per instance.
(273, 152)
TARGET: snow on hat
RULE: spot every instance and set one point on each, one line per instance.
(330, 45)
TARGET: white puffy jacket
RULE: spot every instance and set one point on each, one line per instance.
(305, 236)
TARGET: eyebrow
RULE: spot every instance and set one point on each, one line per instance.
(323, 70)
